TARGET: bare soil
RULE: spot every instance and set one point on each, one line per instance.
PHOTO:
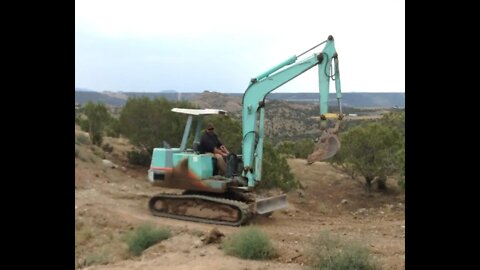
(110, 202)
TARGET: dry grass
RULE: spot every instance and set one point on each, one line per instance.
(329, 252)
(145, 236)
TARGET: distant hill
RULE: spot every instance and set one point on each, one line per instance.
(206, 99)
(84, 89)
(357, 100)
(82, 97)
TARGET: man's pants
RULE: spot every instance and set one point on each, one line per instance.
(221, 164)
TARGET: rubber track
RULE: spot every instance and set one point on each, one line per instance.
(241, 206)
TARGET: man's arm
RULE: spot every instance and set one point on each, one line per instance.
(224, 148)
(221, 146)
(218, 151)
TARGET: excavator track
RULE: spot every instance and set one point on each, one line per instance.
(200, 208)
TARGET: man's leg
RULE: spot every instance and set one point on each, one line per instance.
(222, 166)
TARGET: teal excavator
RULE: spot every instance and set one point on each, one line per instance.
(228, 199)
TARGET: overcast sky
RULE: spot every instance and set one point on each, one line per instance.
(215, 45)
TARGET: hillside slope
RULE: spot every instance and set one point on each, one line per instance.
(112, 201)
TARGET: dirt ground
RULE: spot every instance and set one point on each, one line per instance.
(110, 202)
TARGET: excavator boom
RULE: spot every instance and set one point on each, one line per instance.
(254, 101)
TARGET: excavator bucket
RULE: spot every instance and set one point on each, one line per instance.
(267, 205)
(326, 147)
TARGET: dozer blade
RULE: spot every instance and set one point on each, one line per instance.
(326, 147)
(271, 204)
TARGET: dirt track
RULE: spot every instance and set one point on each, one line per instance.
(110, 202)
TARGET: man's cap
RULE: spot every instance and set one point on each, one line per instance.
(210, 126)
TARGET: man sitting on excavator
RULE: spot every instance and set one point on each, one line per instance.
(209, 143)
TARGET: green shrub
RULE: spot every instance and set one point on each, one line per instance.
(303, 148)
(276, 171)
(97, 151)
(145, 236)
(96, 138)
(372, 151)
(148, 122)
(107, 148)
(401, 165)
(401, 182)
(139, 158)
(83, 124)
(113, 128)
(97, 258)
(329, 253)
(82, 139)
(249, 243)
(98, 117)
(351, 258)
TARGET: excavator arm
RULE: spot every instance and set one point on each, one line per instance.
(254, 100)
